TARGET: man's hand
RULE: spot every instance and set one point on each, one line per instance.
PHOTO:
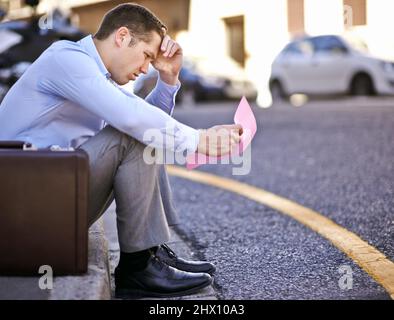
(169, 60)
(219, 140)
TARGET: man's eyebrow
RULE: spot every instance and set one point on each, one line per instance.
(151, 55)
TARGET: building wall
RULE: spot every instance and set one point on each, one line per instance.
(174, 13)
(322, 17)
(87, 14)
(378, 31)
(266, 34)
(295, 17)
(266, 31)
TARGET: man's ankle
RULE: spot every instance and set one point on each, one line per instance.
(134, 261)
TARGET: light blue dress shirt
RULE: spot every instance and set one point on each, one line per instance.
(67, 96)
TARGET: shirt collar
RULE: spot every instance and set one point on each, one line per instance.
(89, 46)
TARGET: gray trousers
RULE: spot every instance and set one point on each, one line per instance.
(144, 208)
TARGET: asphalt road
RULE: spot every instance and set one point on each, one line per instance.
(335, 157)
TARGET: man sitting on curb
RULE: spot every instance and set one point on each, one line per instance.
(70, 96)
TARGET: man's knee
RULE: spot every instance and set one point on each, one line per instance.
(132, 148)
(117, 134)
(124, 139)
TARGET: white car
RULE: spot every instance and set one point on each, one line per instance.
(329, 64)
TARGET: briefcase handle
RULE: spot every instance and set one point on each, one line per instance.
(16, 144)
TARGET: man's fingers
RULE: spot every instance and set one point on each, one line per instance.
(238, 127)
(235, 137)
(170, 46)
(221, 139)
(174, 49)
(232, 132)
(164, 43)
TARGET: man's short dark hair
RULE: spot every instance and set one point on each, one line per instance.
(138, 19)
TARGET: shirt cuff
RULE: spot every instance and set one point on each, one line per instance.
(169, 91)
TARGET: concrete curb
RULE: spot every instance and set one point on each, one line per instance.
(98, 282)
(95, 284)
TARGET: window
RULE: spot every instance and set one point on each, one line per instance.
(329, 44)
(236, 38)
(292, 49)
(295, 16)
(306, 47)
(355, 12)
(299, 48)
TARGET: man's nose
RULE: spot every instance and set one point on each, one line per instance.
(145, 67)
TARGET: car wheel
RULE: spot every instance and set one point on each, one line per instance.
(362, 85)
(277, 92)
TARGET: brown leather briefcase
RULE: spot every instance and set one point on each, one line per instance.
(43, 210)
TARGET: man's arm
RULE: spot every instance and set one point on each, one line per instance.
(215, 141)
(76, 78)
(163, 96)
(168, 64)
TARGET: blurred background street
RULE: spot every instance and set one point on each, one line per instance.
(266, 51)
(319, 76)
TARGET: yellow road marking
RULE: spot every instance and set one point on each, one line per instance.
(375, 263)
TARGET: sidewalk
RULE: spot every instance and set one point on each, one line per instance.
(97, 283)
(94, 285)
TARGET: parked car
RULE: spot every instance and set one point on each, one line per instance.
(204, 80)
(329, 64)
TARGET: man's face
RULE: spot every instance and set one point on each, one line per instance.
(132, 60)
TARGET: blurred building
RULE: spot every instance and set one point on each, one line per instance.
(250, 32)
(87, 14)
(253, 32)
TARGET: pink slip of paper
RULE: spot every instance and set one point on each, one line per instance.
(243, 116)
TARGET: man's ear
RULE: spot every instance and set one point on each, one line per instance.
(122, 36)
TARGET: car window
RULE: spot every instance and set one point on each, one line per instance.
(301, 48)
(328, 44)
(292, 49)
(306, 47)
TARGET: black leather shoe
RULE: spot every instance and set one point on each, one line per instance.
(165, 254)
(158, 280)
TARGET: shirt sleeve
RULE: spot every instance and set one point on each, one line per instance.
(163, 96)
(76, 77)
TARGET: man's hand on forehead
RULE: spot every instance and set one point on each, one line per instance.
(169, 60)
(168, 46)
